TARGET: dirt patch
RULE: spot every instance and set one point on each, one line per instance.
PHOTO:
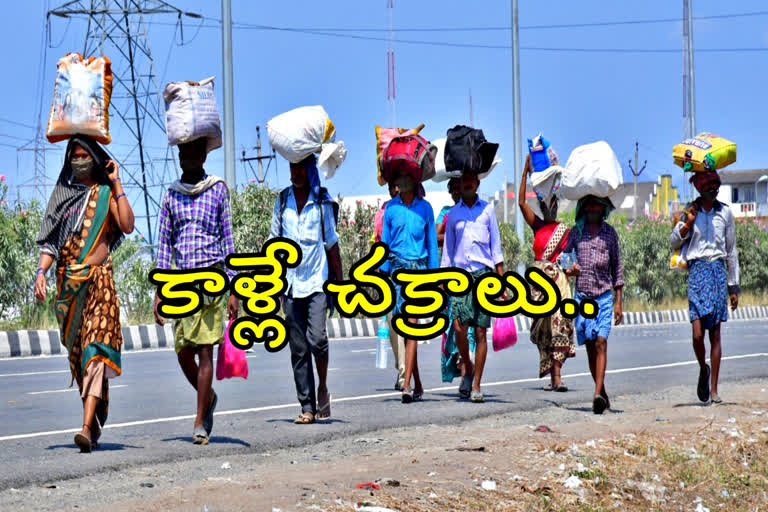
(663, 454)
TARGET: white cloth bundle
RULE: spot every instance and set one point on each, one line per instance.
(191, 113)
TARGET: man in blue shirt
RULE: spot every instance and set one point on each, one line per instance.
(409, 231)
(304, 303)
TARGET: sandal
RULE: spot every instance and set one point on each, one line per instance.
(208, 419)
(702, 390)
(548, 387)
(716, 399)
(562, 388)
(407, 395)
(200, 436)
(599, 404)
(83, 441)
(305, 418)
(418, 396)
(95, 433)
(465, 388)
(323, 405)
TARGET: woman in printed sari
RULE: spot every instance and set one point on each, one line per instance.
(86, 218)
(553, 335)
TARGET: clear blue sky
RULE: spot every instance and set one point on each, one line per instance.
(573, 97)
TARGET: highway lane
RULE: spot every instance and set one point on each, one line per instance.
(152, 405)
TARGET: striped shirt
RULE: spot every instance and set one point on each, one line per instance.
(195, 231)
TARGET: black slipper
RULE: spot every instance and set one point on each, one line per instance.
(599, 404)
(703, 388)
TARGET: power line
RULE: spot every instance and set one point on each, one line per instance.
(10, 121)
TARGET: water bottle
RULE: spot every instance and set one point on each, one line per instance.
(381, 350)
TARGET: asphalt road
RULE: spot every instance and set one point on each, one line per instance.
(152, 406)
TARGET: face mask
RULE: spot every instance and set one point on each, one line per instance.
(81, 168)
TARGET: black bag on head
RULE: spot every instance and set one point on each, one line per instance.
(466, 150)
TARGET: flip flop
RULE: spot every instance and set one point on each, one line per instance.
(83, 442)
(476, 397)
(200, 436)
(599, 404)
(465, 388)
(716, 399)
(305, 418)
(548, 387)
(323, 406)
(208, 419)
(702, 389)
(418, 397)
(407, 396)
(562, 388)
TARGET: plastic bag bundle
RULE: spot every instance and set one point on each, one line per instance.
(504, 333)
(543, 155)
(441, 174)
(81, 96)
(191, 113)
(383, 137)
(547, 183)
(705, 152)
(304, 131)
(592, 169)
(231, 362)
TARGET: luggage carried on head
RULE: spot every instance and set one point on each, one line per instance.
(191, 113)
(304, 131)
(705, 152)
(543, 155)
(592, 169)
(383, 137)
(410, 155)
(442, 174)
(547, 183)
(467, 150)
(81, 96)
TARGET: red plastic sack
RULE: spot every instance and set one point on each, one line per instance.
(411, 155)
(232, 361)
(504, 333)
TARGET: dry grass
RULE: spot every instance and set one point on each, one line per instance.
(745, 299)
(724, 466)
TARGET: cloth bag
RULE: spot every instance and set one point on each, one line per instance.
(504, 333)
(592, 169)
(467, 150)
(304, 131)
(231, 362)
(383, 138)
(191, 113)
(81, 96)
(442, 174)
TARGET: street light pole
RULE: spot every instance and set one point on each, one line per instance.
(229, 107)
(517, 129)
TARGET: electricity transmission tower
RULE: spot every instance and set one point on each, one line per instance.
(117, 29)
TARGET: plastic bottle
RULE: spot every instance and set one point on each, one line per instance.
(382, 347)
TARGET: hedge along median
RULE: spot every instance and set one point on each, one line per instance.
(147, 337)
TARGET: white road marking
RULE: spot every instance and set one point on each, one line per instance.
(363, 350)
(71, 389)
(362, 397)
(32, 373)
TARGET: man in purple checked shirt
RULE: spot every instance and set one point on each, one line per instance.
(599, 277)
(195, 231)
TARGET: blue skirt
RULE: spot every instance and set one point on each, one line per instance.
(707, 292)
(588, 329)
(396, 263)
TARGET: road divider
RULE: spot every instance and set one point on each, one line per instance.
(146, 337)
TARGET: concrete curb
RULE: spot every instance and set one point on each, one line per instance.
(143, 337)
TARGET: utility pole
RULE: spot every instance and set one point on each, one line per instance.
(471, 111)
(517, 130)
(636, 173)
(229, 107)
(259, 158)
(689, 82)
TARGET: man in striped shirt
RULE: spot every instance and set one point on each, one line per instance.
(195, 231)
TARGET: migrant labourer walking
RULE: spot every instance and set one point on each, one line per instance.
(600, 277)
(195, 231)
(553, 335)
(395, 340)
(304, 213)
(713, 274)
(409, 231)
(472, 243)
(85, 221)
(451, 365)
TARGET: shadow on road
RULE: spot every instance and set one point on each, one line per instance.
(212, 440)
(103, 447)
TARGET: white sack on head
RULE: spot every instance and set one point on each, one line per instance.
(304, 131)
(592, 169)
(546, 183)
(191, 113)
